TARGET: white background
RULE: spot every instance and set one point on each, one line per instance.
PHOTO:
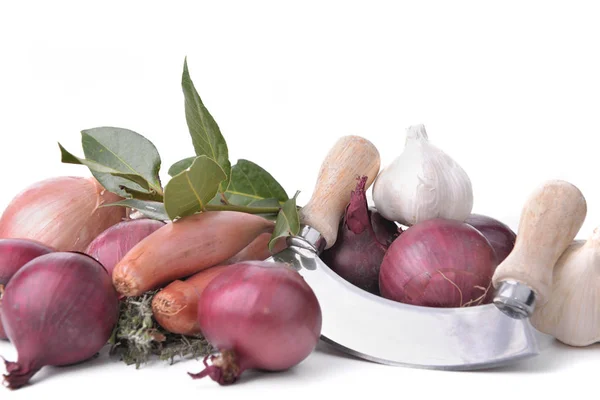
(510, 89)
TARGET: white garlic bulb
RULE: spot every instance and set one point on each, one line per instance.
(422, 183)
(572, 313)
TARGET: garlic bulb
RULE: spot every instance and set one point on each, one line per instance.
(422, 183)
(572, 313)
(61, 212)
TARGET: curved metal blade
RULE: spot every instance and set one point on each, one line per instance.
(384, 331)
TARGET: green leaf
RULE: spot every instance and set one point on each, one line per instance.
(123, 150)
(181, 166)
(287, 223)
(190, 191)
(151, 209)
(206, 135)
(69, 158)
(119, 158)
(251, 183)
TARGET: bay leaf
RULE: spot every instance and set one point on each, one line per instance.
(188, 192)
(287, 223)
(250, 183)
(151, 209)
(206, 135)
(119, 158)
(69, 158)
(123, 150)
(181, 166)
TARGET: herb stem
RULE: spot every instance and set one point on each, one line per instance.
(246, 209)
(159, 191)
(223, 198)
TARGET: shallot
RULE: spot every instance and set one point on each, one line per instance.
(259, 315)
(439, 263)
(175, 307)
(181, 248)
(59, 309)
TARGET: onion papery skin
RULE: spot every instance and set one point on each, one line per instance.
(59, 309)
(62, 212)
(14, 254)
(259, 315)
(363, 238)
(111, 245)
(439, 263)
(500, 236)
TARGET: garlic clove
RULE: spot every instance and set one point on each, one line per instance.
(61, 212)
(572, 313)
(422, 183)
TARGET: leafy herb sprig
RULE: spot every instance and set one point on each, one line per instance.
(128, 164)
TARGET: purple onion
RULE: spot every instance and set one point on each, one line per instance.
(363, 238)
(259, 315)
(58, 309)
(500, 236)
(14, 254)
(111, 245)
(439, 263)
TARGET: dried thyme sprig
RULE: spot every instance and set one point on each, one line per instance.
(137, 336)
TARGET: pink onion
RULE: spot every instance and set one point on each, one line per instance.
(500, 236)
(14, 254)
(58, 309)
(439, 263)
(62, 212)
(363, 238)
(259, 315)
(111, 245)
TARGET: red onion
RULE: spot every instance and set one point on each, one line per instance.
(500, 236)
(15, 253)
(363, 238)
(111, 245)
(59, 309)
(439, 263)
(260, 316)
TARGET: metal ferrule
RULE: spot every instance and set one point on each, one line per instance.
(515, 299)
(309, 242)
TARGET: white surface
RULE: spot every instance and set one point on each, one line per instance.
(510, 89)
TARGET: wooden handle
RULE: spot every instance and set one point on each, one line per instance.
(550, 220)
(351, 157)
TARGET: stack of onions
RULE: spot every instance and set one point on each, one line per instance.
(58, 304)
